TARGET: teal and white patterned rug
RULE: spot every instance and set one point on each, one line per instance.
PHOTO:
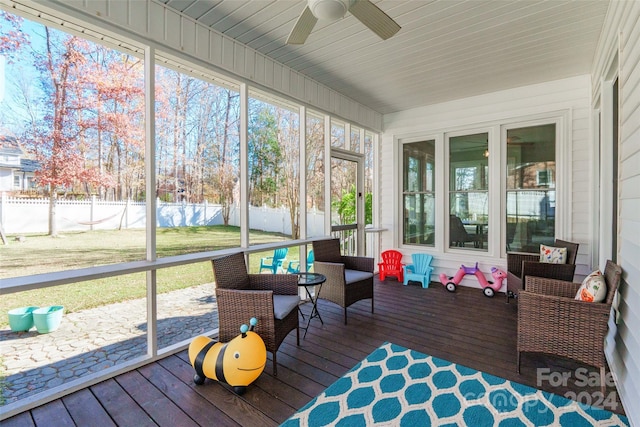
(395, 386)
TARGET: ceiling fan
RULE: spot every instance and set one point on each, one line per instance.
(365, 11)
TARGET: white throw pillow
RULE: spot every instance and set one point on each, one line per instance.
(552, 255)
(593, 288)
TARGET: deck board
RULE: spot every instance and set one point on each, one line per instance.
(180, 393)
(85, 409)
(21, 420)
(122, 408)
(464, 327)
(155, 403)
(53, 413)
(235, 407)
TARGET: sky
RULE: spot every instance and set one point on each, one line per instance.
(20, 66)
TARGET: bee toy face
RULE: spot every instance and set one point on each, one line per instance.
(237, 363)
(244, 359)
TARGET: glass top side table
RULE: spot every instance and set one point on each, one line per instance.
(309, 280)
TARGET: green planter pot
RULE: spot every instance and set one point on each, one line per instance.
(47, 319)
(21, 319)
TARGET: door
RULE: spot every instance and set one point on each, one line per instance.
(347, 202)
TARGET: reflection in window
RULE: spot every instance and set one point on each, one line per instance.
(468, 191)
(531, 187)
(419, 192)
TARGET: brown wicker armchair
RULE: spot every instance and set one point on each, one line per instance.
(552, 321)
(271, 298)
(349, 278)
(521, 265)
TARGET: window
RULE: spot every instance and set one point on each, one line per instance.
(531, 187)
(337, 134)
(468, 191)
(369, 139)
(95, 147)
(315, 174)
(544, 177)
(16, 181)
(418, 192)
(274, 168)
(355, 139)
(197, 161)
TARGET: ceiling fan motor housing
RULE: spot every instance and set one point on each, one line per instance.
(330, 10)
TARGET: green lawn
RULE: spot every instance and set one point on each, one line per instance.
(44, 254)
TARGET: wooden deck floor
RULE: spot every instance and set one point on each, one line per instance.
(463, 327)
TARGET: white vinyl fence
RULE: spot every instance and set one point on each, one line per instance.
(19, 215)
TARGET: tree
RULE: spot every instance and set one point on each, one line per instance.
(112, 121)
(12, 38)
(225, 177)
(171, 132)
(263, 158)
(289, 179)
(346, 207)
(274, 160)
(60, 157)
(82, 121)
(315, 162)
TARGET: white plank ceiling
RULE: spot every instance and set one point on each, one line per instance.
(446, 49)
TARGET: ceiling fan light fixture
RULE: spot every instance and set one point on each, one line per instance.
(330, 10)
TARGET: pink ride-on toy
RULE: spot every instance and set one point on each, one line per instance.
(488, 288)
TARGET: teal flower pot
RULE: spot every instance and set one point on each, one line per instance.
(21, 319)
(47, 319)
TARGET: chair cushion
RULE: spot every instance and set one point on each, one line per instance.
(352, 276)
(283, 304)
(593, 288)
(552, 255)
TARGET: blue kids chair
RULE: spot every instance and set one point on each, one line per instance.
(294, 266)
(274, 262)
(420, 270)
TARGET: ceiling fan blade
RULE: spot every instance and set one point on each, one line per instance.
(374, 18)
(301, 30)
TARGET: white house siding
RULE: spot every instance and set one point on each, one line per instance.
(621, 35)
(568, 98)
(147, 21)
(6, 179)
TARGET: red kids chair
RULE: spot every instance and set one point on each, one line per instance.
(391, 265)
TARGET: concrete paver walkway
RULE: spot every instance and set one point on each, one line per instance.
(92, 340)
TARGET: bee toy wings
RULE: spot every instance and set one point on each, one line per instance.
(237, 363)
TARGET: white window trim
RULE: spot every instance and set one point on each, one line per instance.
(497, 199)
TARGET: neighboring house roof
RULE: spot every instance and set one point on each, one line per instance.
(28, 165)
(9, 145)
